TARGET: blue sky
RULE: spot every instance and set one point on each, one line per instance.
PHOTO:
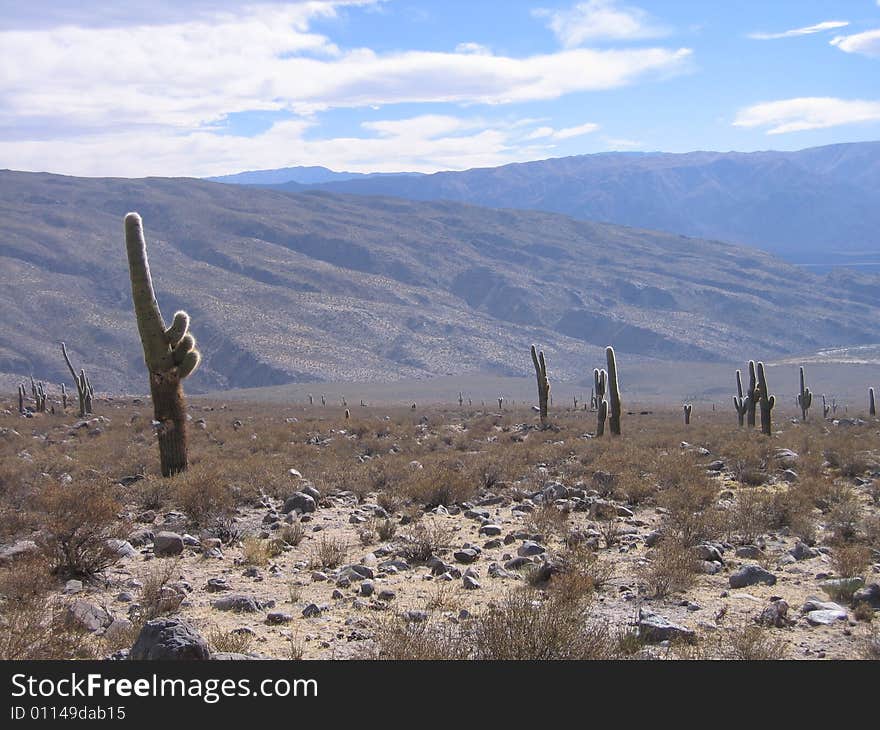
(207, 87)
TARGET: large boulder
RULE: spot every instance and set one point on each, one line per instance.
(169, 638)
(167, 543)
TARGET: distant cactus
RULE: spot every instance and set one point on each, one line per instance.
(613, 392)
(39, 396)
(460, 399)
(21, 397)
(872, 410)
(600, 380)
(323, 400)
(575, 399)
(311, 400)
(347, 413)
(63, 397)
(687, 408)
(805, 397)
(826, 409)
(170, 354)
(765, 400)
(83, 386)
(741, 404)
(543, 382)
(500, 402)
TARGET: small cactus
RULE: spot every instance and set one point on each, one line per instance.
(21, 398)
(170, 353)
(311, 400)
(872, 410)
(805, 397)
(826, 409)
(687, 408)
(740, 403)
(460, 399)
(765, 400)
(500, 402)
(543, 382)
(600, 380)
(347, 414)
(84, 390)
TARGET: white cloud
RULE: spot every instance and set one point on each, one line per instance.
(477, 48)
(151, 99)
(867, 43)
(597, 20)
(808, 30)
(566, 133)
(424, 143)
(796, 115)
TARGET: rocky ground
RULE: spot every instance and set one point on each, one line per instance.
(318, 573)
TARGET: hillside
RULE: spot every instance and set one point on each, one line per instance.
(816, 206)
(299, 287)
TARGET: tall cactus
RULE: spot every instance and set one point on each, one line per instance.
(688, 409)
(740, 403)
(805, 397)
(872, 410)
(21, 398)
(613, 392)
(543, 382)
(600, 381)
(169, 354)
(765, 400)
(826, 409)
(84, 390)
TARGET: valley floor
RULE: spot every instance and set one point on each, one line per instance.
(441, 532)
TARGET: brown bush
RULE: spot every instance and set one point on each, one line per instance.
(77, 523)
(671, 568)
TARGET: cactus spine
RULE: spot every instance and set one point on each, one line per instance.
(613, 392)
(543, 382)
(169, 354)
(741, 404)
(872, 410)
(84, 390)
(765, 400)
(687, 408)
(805, 397)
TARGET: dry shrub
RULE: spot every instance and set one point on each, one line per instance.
(233, 642)
(386, 529)
(521, 626)
(793, 508)
(842, 453)
(547, 519)
(255, 551)
(750, 515)
(752, 643)
(851, 561)
(577, 572)
(439, 483)
(77, 523)
(203, 494)
(692, 515)
(293, 533)
(424, 539)
(844, 518)
(32, 624)
(328, 552)
(157, 599)
(671, 568)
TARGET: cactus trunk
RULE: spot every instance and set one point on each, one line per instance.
(753, 385)
(872, 410)
(169, 409)
(543, 382)
(765, 400)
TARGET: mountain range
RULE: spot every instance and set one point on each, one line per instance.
(818, 206)
(299, 287)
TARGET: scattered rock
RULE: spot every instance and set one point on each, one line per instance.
(167, 543)
(750, 575)
(299, 502)
(87, 615)
(169, 638)
(654, 628)
(238, 603)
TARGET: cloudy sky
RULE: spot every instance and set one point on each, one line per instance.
(207, 87)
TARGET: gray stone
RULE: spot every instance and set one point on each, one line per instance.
(72, 587)
(367, 588)
(836, 586)
(238, 603)
(750, 552)
(278, 617)
(16, 550)
(776, 614)
(825, 618)
(87, 615)
(215, 585)
(802, 551)
(123, 548)
(118, 629)
(529, 548)
(466, 555)
(870, 594)
(654, 628)
(167, 543)
(750, 575)
(169, 638)
(311, 611)
(470, 583)
(300, 502)
(490, 530)
(355, 573)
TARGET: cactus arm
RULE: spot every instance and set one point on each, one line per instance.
(613, 392)
(178, 329)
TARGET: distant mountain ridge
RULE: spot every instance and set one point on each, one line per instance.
(301, 175)
(815, 206)
(300, 287)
